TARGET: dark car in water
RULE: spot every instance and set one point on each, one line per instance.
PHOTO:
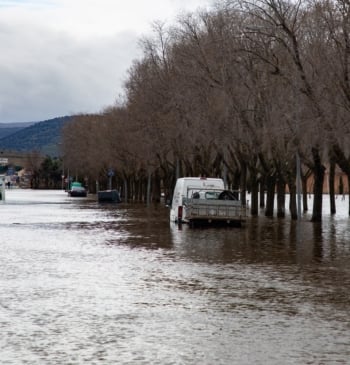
(77, 190)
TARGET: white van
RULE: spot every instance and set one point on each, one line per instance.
(187, 188)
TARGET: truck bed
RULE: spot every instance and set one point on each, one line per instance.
(215, 210)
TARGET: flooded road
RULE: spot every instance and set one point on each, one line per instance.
(83, 283)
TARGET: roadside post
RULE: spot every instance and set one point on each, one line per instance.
(110, 175)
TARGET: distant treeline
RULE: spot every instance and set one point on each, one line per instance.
(238, 92)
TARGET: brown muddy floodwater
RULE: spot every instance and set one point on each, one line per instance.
(83, 283)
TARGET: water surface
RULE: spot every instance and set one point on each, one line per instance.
(83, 283)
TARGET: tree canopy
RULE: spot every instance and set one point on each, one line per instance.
(236, 91)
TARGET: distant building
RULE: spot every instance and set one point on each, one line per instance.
(25, 177)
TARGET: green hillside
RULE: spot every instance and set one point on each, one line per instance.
(10, 128)
(43, 137)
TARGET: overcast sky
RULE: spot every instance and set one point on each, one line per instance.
(62, 57)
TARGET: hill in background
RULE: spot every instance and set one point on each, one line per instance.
(10, 128)
(42, 136)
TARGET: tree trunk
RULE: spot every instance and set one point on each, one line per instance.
(331, 186)
(304, 189)
(148, 189)
(281, 197)
(135, 189)
(177, 168)
(125, 190)
(270, 198)
(293, 200)
(349, 192)
(156, 188)
(262, 193)
(343, 163)
(243, 183)
(224, 176)
(254, 210)
(318, 171)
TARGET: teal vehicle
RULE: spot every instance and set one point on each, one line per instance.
(77, 190)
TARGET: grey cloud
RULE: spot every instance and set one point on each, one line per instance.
(44, 74)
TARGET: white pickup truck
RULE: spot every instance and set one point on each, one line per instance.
(205, 200)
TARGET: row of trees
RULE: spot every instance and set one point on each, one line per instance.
(44, 172)
(238, 91)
